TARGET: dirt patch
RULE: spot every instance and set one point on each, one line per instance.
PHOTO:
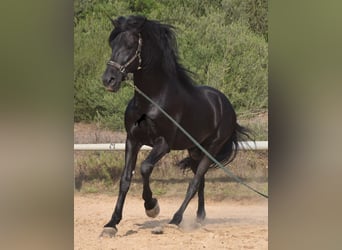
(229, 225)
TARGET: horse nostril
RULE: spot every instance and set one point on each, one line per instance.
(107, 80)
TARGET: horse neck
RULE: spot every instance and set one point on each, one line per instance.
(154, 82)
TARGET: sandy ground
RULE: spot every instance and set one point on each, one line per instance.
(229, 225)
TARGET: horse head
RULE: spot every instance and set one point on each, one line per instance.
(126, 44)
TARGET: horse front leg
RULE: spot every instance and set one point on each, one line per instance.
(160, 148)
(131, 153)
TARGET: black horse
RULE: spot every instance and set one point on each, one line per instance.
(148, 50)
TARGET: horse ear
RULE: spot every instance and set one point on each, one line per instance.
(111, 20)
(116, 22)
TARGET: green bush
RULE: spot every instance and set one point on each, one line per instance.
(230, 58)
(252, 12)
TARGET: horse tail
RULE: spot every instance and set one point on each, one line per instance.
(229, 150)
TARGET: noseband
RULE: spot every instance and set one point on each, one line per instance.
(122, 68)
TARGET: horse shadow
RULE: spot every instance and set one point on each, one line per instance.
(151, 224)
(190, 224)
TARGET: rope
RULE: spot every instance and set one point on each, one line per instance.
(227, 171)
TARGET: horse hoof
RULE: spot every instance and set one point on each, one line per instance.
(108, 232)
(176, 220)
(153, 213)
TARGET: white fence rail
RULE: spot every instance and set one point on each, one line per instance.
(243, 145)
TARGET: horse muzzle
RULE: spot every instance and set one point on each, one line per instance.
(114, 87)
(112, 84)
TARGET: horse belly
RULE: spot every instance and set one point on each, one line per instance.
(147, 130)
(199, 131)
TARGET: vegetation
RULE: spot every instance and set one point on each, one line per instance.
(224, 42)
(100, 172)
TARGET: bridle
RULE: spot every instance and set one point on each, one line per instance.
(123, 68)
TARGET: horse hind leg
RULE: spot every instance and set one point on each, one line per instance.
(198, 180)
(160, 148)
(201, 209)
(193, 187)
(192, 163)
(189, 163)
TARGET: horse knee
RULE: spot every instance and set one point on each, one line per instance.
(146, 169)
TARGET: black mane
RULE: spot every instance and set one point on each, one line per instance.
(159, 35)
